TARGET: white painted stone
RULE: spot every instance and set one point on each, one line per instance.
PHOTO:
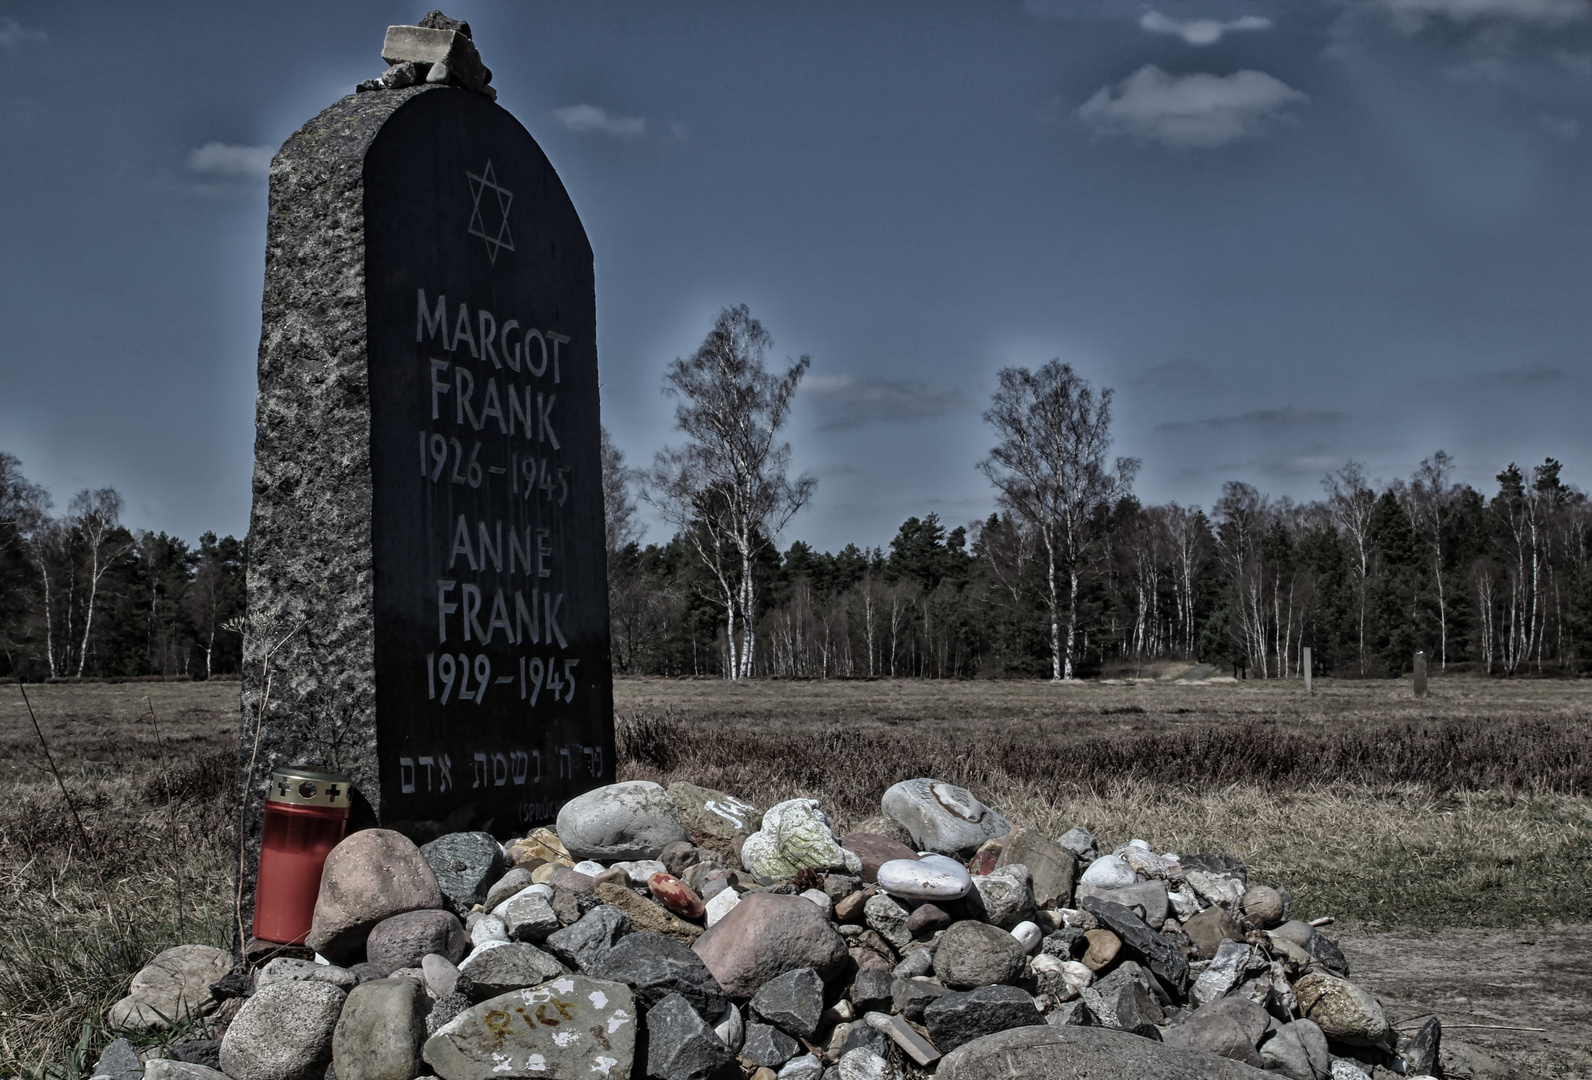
(931, 878)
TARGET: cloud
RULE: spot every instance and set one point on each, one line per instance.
(823, 472)
(222, 159)
(1412, 15)
(1304, 465)
(592, 118)
(1560, 127)
(1580, 63)
(1199, 31)
(1535, 375)
(848, 402)
(1196, 111)
(13, 33)
(1270, 418)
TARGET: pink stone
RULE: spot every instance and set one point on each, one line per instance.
(676, 895)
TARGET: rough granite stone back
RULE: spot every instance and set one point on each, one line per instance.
(310, 559)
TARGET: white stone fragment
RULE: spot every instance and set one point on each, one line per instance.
(721, 905)
(1028, 935)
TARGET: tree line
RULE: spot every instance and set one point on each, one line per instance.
(1072, 575)
(83, 595)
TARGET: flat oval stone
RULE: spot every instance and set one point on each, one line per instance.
(933, 878)
(675, 895)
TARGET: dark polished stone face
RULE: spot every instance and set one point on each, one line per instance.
(493, 687)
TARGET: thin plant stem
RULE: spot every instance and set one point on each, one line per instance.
(171, 813)
(82, 833)
(267, 651)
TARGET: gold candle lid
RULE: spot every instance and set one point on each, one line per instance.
(309, 787)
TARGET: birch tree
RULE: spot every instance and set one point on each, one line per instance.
(1049, 468)
(1350, 501)
(96, 514)
(726, 489)
(1430, 503)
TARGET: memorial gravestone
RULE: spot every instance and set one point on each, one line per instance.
(426, 560)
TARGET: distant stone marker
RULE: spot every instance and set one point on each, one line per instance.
(1420, 674)
(427, 498)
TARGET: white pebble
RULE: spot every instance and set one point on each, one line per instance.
(1109, 871)
(1028, 935)
(821, 898)
(640, 870)
(489, 928)
(932, 878)
(589, 867)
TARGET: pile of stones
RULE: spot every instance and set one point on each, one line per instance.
(680, 934)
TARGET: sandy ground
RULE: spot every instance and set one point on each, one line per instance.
(1494, 982)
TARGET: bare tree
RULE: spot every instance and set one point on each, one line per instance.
(619, 506)
(1190, 536)
(1350, 501)
(24, 521)
(96, 514)
(1050, 470)
(726, 489)
(1430, 504)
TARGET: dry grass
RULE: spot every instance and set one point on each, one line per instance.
(1472, 807)
(79, 922)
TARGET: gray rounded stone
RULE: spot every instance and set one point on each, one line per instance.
(171, 987)
(973, 954)
(370, 876)
(632, 820)
(380, 1030)
(1299, 1051)
(507, 886)
(161, 1069)
(290, 969)
(401, 941)
(283, 1032)
(942, 817)
(1083, 1053)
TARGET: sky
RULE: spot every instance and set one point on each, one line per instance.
(1286, 233)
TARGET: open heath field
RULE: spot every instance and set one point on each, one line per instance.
(1449, 837)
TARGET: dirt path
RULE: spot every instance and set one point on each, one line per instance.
(1520, 978)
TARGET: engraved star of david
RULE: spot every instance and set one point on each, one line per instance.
(501, 239)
